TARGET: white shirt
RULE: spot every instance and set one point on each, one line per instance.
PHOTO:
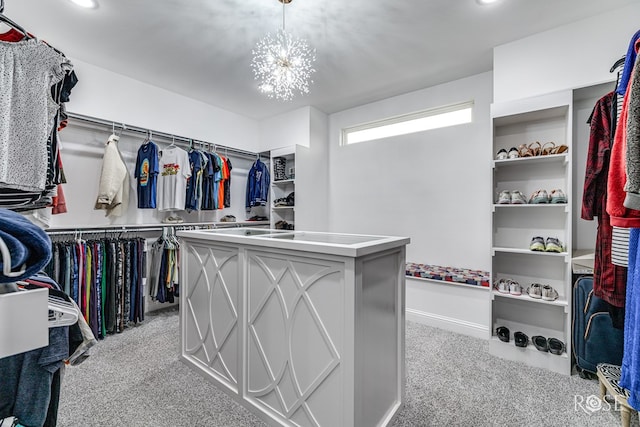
(172, 179)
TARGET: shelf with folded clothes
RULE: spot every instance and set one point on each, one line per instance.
(451, 275)
(284, 181)
(283, 207)
(447, 282)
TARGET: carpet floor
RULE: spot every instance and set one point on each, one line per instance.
(135, 379)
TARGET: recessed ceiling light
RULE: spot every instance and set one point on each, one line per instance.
(89, 4)
(483, 2)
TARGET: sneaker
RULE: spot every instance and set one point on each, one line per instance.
(514, 288)
(553, 245)
(558, 196)
(521, 339)
(517, 198)
(228, 218)
(513, 153)
(502, 285)
(502, 154)
(537, 244)
(504, 198)
(535, 290)
(539, 197)
(548, 293)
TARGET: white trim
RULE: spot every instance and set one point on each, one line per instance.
(476, 330)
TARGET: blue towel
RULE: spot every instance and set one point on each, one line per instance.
(630, 375)
(28, 245)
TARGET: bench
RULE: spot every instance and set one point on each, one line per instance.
(464, 276)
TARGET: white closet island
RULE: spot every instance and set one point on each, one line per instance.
(302, 328)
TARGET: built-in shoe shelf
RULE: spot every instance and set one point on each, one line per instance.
(543, 119)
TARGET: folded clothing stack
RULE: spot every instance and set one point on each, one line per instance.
(448, 274)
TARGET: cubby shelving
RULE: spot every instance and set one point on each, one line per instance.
(283, 164)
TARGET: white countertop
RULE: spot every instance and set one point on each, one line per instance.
(352, 245)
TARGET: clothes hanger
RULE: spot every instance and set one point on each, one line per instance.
(61, 312)
(617, 64)
(10, 23)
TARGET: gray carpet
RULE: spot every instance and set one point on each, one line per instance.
(135, 379)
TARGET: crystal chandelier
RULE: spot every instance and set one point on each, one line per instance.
(283, 63)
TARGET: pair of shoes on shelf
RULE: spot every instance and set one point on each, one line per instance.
(173, 220)
(542, 197)
(552, 345)
(283, 225)
(228, 218)
(258, 218)
(544, 292)
(508, 286)
(552, 244)
(551, 148)
(520, 338)
(514, 197)
(503, 154)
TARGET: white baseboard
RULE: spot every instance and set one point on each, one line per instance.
(448, 323)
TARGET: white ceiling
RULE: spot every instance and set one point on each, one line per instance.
(366, 49)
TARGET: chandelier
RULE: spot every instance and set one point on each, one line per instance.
(283, 63)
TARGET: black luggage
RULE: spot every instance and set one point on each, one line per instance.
(595, 340)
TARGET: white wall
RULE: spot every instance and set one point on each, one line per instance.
(111, 96)
(568, 57)
(285, 130)
(432, 186)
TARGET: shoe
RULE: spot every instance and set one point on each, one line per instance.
(504, 198)
(521, 339)
(547, 148)
(503, 333)
(555, 346)
(502, 286)
(539, 197)
(517, 198)
(557, 196)
(537, 244)
(540, 343)
(173, 220)
(515, 288)
(548, 293)
(502, 154)
(553, 245)
(228, 218)
(513, 153)
(535, 290)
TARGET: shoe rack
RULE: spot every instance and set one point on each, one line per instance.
(282, 184)
(518, 124)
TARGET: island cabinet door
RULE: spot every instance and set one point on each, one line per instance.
(297, 316)
(210, 300)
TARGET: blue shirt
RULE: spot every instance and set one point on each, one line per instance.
(147, 175)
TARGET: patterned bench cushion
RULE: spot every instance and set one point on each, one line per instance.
(448, 274)
(611, 374)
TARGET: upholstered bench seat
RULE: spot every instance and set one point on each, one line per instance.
(448, 274)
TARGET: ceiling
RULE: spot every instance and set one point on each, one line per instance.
(366, 49)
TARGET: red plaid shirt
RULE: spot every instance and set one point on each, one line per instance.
(609, 280)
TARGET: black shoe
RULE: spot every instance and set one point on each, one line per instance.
(521, 339)
(555, 346)
(540, 342)
(503, 333)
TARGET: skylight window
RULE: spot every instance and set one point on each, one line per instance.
(410, 123)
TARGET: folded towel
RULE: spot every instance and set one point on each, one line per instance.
(28, 245)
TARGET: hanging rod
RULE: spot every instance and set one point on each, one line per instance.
(149, 227)
(179, 140)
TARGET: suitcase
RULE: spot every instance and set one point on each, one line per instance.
(595, 340)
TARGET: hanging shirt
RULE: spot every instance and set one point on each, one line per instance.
(194, 183)
(257, 185)
(28, 69)
(172, 181)
(227, 186)
(147, 175)
(113, 190)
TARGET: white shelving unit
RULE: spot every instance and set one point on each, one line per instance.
(281, 188)
(543, 119)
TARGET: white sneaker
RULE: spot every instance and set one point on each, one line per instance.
(558, 196)
(538, 197)
(514, 288)
(517, 198)
(535, 290)
(502, 286)
(504, 198)
(548, 293)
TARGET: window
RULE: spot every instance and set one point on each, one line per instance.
(434, 118)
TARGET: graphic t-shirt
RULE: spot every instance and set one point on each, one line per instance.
(172, 179)
(147, 175)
